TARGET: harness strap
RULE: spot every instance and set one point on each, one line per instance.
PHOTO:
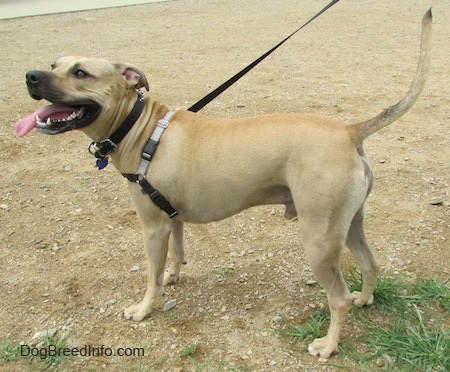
(153, 194)
(147, 154)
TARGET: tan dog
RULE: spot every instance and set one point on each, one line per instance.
(211, 168)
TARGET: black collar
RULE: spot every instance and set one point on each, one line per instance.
(103, 148)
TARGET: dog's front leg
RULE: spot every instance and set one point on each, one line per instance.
(156, 228)
(176, 254)
(155, 244)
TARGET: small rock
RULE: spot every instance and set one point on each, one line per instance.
(379, 362)
(47, 333)
(382, 161)
(311, 282)
(169, 305)
(437, 200)
(107, 304)
(111, 227)
(135, 268)
(4, 207)
(278, 318)
(323, 360)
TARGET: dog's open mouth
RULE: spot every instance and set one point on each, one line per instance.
(55, 118)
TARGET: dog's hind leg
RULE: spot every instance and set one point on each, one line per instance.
(175, 257)
(323, 244)
(367, 262)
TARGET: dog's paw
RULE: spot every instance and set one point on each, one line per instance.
(170, 278)
(136, 312)
(322, 348)
(359, 301)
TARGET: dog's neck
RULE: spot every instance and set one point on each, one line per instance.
(101, 149)
(111, 118)
(138, 136)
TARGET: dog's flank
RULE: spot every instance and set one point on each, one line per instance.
(362, 130)
(210, 169)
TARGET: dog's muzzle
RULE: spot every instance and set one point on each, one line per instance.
(59, 117)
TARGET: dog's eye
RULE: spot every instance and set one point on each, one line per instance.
(80, 73)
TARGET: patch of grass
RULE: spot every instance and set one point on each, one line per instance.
(307, 332)
(189, 350)
(410, 345)
(8, 352)
(223, 272)
(405, 329)
(44, 356)
(52, 360)
(431, 290)
(388, 292)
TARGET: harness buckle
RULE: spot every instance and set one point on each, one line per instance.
(163, 123)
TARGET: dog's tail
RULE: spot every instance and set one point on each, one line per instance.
(362, 130)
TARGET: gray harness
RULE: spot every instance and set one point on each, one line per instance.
(140, 178)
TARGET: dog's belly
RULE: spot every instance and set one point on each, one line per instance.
(212, 206)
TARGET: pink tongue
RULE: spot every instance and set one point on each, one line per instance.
(25, 125)
(54, 112)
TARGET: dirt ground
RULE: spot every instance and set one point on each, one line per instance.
(69, 236)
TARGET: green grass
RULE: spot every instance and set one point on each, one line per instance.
(189, 350)
(8, 352)
(410, 344)
(431, 290)
(406, 329)
(309, 331)
(41, 358)
(222, 272)
(388, 293)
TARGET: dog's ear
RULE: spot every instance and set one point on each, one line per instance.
(133, 75)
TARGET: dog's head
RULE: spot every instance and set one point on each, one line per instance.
(81, 91)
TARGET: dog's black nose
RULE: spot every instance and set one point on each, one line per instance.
(34, 77)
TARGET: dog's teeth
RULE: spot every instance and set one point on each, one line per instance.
(49, 121)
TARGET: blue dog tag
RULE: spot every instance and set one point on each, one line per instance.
(101, 163)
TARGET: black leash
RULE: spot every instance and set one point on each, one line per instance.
(219, 90)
